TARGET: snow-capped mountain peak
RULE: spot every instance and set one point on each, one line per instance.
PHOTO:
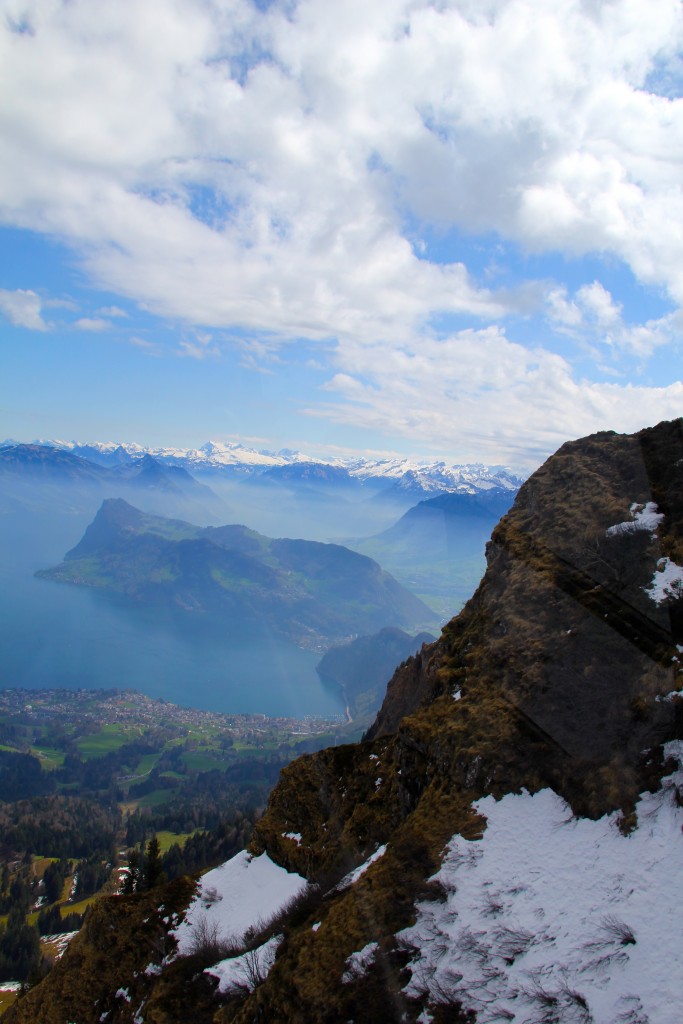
(403, 474)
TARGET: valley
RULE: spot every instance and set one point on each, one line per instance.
(132, 768)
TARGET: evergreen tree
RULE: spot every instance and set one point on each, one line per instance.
(19, 949)
(153, 870)
(53, 879)
(131, 880)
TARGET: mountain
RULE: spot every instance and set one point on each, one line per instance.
(214, 456)
(504, 845)
(54, 465)
(362, 668)
(107, 455)
(426, 481)
(45, 464)
(311, 474)
(401, 479)
(437, 547)
(309, 591)
(36, 474)
(284, 492)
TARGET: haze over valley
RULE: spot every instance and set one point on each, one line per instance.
(231, 646)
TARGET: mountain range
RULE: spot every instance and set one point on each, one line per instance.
(311, 592)
(35, 473)
(403, 476)
(283, 494)
(505, 842)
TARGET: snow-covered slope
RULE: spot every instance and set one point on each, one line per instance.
(553, 917)
(437, 477)
(243, 893)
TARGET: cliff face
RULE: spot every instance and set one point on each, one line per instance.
(553, 675)
(558, 673)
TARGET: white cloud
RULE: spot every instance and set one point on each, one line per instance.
(91, 323)
(112, 311)
(273, 171)
(151, 347)
(594, 317)
(60, 304)
(484, 396)
(23, 308)
(530, 122)
(599, 304)
(198, 346)
(561, 310)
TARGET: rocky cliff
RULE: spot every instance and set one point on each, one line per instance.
(560, 678)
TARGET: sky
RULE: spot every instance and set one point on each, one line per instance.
(449, 229)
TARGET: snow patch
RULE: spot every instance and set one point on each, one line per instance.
(59, 942)
(247, 970)
(354, 875)
(645, 517)
(357, 964)
(238, 895)
(296, 836)
(547, 912)
(668, 697)
(667, 582)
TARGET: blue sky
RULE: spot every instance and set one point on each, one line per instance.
(447, 229)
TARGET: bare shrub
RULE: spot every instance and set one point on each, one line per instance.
(512, 942)
(207, 946)
(294, 912)
(613, 932)
(546, 1006)
(254, 966)
(211, 896)
(631, 1011)
(445, 1007)
(618, 930)
(577, 1002)
(492, 905)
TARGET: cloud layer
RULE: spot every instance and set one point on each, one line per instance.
(284, 170)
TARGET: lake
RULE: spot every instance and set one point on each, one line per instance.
(56, 635)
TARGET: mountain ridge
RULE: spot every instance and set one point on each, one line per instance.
(403, 476)
(67, 477)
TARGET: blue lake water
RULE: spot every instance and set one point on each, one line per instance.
(57, 635)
